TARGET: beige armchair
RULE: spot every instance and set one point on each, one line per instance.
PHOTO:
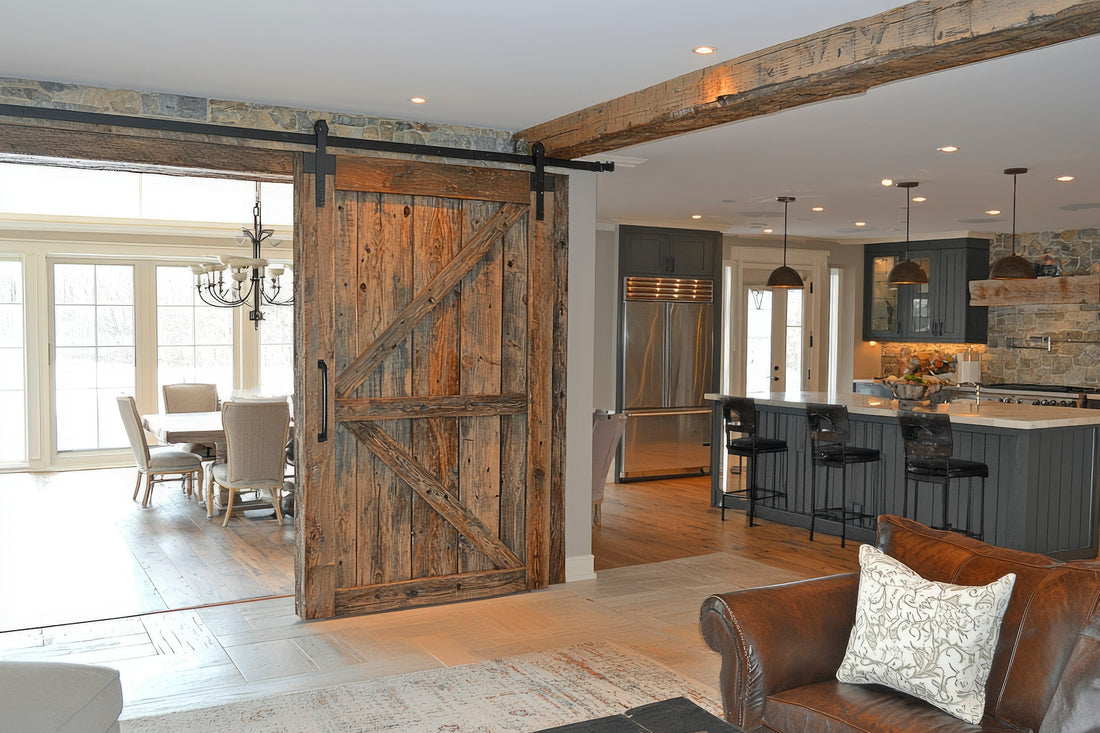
(159, 462)
(192, 397)
(255, 435)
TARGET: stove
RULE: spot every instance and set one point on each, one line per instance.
(1055, 395)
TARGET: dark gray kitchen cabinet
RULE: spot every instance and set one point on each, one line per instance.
(658, 251)
(937, 312)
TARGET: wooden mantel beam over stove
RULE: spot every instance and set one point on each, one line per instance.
(914, 39)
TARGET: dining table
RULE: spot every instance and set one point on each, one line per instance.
(192, 427)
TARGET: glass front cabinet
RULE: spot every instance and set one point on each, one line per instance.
(938, 311)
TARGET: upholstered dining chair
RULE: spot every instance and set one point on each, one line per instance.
(255, 436)
(192, 397)
(159, 462)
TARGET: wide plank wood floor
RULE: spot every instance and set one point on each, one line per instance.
(207, 656)
(75, 547)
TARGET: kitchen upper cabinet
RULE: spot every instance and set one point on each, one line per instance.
(938, 311)
(657, 251)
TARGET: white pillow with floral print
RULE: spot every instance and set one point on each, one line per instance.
(934, 641)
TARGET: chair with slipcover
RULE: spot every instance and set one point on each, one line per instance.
(192, 397)
(158, 462)
(256, 434)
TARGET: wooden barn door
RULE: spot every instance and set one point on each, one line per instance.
(425, 334)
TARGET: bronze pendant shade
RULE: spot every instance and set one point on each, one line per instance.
(1013, 266)
(907, 272)
(785, 277)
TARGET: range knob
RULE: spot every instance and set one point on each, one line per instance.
(1039, 402)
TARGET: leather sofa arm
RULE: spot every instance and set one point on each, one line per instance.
(777, 638)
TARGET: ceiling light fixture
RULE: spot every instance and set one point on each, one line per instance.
(417, 100)
(784, 277)
(769, 230)
(818, 208)
(860, 223)
(704, 50)
(696, 216)
(887, 182)
(948, 148)
(907, 272)
(919, 199)
(1013, 266)
(993, 212)
(1064, 179)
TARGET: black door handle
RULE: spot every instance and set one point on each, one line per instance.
(323, 435)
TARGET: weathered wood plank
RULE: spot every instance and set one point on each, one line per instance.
(915, 39)
(1077, 289)
(437, 230)
(395, 408)
(540, 363)
(430, 591)
(109, 144)
(513, 379)
(479, 359)
(433, 179)
(315, 555)
(558, 378)
(346, 337)
(427, 486)
(394, 336)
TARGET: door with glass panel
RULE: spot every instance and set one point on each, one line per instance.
(94, 347)
(775, 340)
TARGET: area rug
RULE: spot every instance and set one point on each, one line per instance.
(522, 693)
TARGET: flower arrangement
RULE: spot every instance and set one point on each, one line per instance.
(923, 380)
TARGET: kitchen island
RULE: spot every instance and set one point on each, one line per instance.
(1042, 493)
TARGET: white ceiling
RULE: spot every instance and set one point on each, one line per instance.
(509, 64)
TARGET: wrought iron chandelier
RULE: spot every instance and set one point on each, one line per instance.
(251, 281)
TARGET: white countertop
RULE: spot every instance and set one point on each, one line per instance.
(989, 413)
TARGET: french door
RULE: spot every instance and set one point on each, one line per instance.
(777, 340)
(425, 349)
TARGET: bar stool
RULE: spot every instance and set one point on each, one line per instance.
(740, 417)
(829, 436)
(928, 449)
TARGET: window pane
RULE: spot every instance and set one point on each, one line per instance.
(11, 324)
(175, 325)
(74, 325)
(114, 284)
(175, 286)
(11, 282)
(793, 372)
(115, 325)
(73, 284)
(75, 368)
(11, 366)
(758, 341)
(13, 434)
(77, 415)
(115, 370)
(277, 343)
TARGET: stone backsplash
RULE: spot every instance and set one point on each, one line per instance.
(1073, 358)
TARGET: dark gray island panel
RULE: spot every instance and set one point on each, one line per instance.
(1041, 495)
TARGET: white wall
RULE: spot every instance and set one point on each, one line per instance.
(606, 317)
(580, 342)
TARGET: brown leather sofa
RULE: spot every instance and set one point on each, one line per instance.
(781, 645)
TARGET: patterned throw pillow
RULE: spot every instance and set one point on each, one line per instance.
(934, 641)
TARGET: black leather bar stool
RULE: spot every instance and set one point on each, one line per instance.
(830, 434)
(928, 449)
(740, 417)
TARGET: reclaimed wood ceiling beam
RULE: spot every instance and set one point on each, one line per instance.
(908, 41)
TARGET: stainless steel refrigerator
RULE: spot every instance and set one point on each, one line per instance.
(667, 364)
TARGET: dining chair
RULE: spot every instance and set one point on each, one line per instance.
(192, 397)
(255, 437)
(158, 462)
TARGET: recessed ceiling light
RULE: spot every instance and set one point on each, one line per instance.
(993, 212)
(818, 208)
(919, 199)
(704, 50)
(887, 182)
(768, 230)
(948, 148)
(1064, 179)
(860, 223)
(417, 100)
(696, 216)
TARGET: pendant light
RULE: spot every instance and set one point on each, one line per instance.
(907, 272)
(1013, 266)
(785, 277)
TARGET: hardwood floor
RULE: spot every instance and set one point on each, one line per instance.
(207, 656)
(75, 547)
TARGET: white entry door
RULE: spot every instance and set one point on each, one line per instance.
(776, 343)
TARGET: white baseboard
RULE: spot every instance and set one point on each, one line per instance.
(580, 567)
